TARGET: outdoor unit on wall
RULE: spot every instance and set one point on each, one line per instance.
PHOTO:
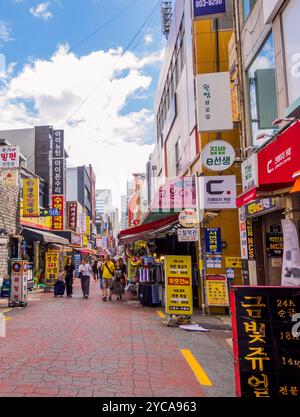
(166, 17)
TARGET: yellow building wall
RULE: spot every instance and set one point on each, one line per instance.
(205, 52)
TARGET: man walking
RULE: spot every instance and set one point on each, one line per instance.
(107, 269)
(85, 271)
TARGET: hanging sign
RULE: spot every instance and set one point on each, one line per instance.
(250, 241)
(176, 195)
(58, 163)
(217, 291)
(261, 207)
(31, 189)
(188, 235)
(10, 179)
(291, 255)
(88, 226)
(208, 8)
(217, 193)
(230, 273)
(188, 218)
(266, 341)
(58, 204)
(218, 155)
(9, 157)
(250, 173)
(179, 295)
(213, 241)
(243, 233)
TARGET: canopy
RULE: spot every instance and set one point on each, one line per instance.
(42, 236)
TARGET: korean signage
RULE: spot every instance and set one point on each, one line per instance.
(98, 242)
(76, 239)
(214, 109)
(9, 157)
(214, 262)
(218, 155)
(217, 193)
(274, 243)
(58, 173)
(19, 277)
(266, 341)
(43, 223)
(243, 233)
(260, 207)
(179, 296)
(279, 161)
(10, 178)
(58, 144)
(217, 291)
(250, 173)
(31, 189)
(58, 203)
(52, 266)
(291, 255)
(88, 226)
(72, 215)
(208, 8)
(176, 195)
(234, 263)
(187, 235)
(188, 218)
(250, 241)
(213, 241)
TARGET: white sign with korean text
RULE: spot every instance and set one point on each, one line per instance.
(188, 235)
(214, 105)
(250, 173)
(218, 155)
(9, 157)
(217, 193)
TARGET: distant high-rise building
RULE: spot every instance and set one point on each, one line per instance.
(104, 205)
(124, 212)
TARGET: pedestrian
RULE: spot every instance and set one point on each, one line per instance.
(95, 270)
(119, 280)
(69, 277)
(107, 269)
(99, 265)
(85, 271)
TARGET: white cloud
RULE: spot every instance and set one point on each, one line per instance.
(148, 39)
(103, 132)
(5, 33)
(41, 11)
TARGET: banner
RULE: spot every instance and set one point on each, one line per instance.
(52, 266)
(213, 241)
(31, 188)
(58, 203)
(266, 341)
(291, 255)
(179, 295)
(58, 162)
(88, 226)
(72, 215)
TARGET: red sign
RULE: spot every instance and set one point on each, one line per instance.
(179, 281)
(246, 198)
(278, 162)
(58, 203)
(72, 215)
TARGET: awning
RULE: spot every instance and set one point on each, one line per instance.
(246, 198)
(149, 230)
(40, 235)
(86, 251)
(296, 187)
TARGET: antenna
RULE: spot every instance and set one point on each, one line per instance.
(166, 17)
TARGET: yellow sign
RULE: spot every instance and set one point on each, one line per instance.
(52, 266)
(43, 223)
(85, 241)
(235, 263)
(217, 291)
(179, 295)
(10, 179)
(31, 207)
(88, 225)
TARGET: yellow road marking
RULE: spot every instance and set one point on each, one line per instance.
(161, 314)
(8, 318)
(196, 368)
(5, 311)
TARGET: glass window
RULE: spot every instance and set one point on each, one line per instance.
(247, 7)
(262, 91)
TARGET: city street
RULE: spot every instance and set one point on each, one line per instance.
(84, 348)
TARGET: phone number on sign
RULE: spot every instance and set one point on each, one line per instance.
(204, 3)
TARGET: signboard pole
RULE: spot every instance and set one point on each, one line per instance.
(201, 248)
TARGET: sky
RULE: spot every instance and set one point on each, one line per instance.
(54, 70)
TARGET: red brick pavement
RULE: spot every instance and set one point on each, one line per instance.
(84, 348)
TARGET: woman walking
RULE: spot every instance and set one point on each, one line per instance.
(119, 280)
(69, 277)
(95, 270)
(85, 271)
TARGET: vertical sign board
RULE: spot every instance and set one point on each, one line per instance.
(31, 189)
(213, 241)
(72, 215)
(266, 341)
(58, 178)
(19, 275)
(205, 8)
(217, 291)
(58, 221)
(179, 297)
(52, 266)
(77, 262)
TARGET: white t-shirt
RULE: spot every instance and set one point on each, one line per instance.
(85, 269)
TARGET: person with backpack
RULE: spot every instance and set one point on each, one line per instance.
(85, 271)
(107, 269)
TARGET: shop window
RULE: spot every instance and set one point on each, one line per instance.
(225, 22)
(247, 7)
(263, 92)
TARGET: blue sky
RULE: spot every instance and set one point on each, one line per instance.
(37, 90)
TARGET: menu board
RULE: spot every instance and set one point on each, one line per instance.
(266, 341)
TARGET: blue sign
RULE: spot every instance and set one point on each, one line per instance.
(203, 8)
(213, 241)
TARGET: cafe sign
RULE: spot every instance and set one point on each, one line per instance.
(218, 155)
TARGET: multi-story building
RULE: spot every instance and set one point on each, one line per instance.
(267, 44)
(124, 212)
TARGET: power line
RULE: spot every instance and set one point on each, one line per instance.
(102, 26)
(148, 19)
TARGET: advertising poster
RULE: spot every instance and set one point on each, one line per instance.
(291, 255)
(19, 277)
(266, 341)
(217, 291)
(31, 188)
(179, 297)
(233, 262)
(214, 262)
(52, 266)
(213, 241)
(58, 221)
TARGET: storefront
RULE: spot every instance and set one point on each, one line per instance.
(271, 195)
